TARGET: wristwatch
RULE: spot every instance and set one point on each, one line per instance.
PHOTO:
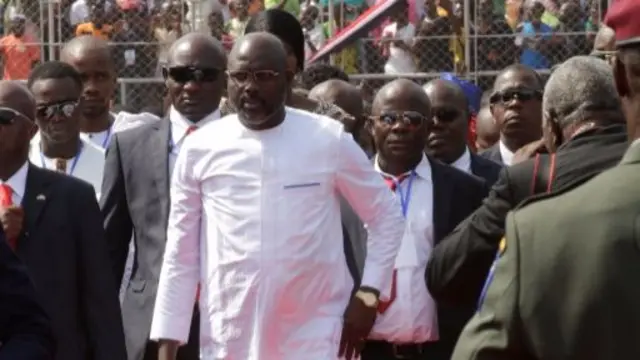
(369, 298)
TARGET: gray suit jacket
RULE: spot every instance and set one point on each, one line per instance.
(135, 200)
(64, 250)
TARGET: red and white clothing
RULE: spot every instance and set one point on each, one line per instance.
(255, 218)
(412, 316)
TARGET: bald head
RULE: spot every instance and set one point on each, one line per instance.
(260, 45)
(16, 96)
(605, 39)
(339, 92)
(83, 46)
(446, 89)
(201, 48)
(405, 91)
(524, 73)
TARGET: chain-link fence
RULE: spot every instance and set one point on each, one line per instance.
(473, 38)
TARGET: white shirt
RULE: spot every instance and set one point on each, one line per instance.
(179, 127)
(412, 317)
(255, 218)
(463, 162)
(18, 183)
(89, 165)
(102, 138)
(400, 61)
(506, 154)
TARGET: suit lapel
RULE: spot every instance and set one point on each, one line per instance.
(36, 195)
(441, 199)
(159, 146)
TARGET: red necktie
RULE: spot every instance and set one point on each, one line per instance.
(6, 201)
(384, 305)
(191, 129)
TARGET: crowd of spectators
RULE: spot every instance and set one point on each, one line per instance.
(424, 36)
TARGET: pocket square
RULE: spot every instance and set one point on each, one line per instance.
(296, 186)
(41, 197)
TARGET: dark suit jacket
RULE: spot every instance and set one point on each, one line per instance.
(455, 196)
(65, 252)
(25, 329)
(135, 201)
(459, 264)
(565, 286)
(486, 169)
(493, 154)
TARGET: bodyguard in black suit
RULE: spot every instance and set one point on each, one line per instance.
(447, 139)
(399, 124)
(25, 329)
(515, 105)
(584, 143)
(55, 227)
(135, 189)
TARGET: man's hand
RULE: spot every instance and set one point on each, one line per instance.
(528, 151)
(167, 349)
(358, 322)
(11, 218)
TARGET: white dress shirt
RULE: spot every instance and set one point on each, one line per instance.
(179, 127)
(255, 218)
(464, 162)
(89, 165)
(505, 153)
(18, 183)
(101, 139)
(412, 317)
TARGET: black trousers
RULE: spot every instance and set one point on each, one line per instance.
(382, 350)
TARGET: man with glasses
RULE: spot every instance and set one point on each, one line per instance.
(53, 223)
(255, 218)
(433, 198)
(57, 89)
(585, 134)
(135, 191)
(447, 138)
(515, 106)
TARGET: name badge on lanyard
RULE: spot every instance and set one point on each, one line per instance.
(407, 256)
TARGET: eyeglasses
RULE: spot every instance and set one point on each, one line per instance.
(185, 74)
(258, 76)
(445, 115)
(412, 119)
(506, 96)
(62, 108)
(8, 116)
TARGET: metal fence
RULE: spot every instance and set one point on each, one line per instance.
(485, 43)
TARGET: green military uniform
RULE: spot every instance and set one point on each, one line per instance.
(567, 283)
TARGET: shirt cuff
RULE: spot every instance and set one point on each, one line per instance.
(379, 280)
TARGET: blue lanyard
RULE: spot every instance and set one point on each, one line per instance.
(405, 196)
(73, 164)
(105, 142)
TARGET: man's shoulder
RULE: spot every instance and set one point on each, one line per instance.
(456, 176)
(136, 133)
(65, 184)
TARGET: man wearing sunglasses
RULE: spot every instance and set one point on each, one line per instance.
(57, 89)
(447, 138)
(53, 223)
(433, 198)
(92, 58)
(516, 108)
(585, 134)
(255, 218)
(135, 191)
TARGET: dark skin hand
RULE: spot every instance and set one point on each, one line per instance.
(12, 218)
(359, 319)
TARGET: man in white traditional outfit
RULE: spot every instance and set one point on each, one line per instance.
(255, 220)
(57, 89)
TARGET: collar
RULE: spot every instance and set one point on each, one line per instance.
(423, 169)
(18, 181)
(464, 162)
(180, 124)
(505, 153)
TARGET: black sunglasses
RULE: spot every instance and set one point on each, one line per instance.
(63, 108)
(445, 115)
(412, 119)
(258, 76)
(9, 116)
(184, 74)
(521, 94)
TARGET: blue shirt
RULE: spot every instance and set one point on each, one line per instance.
(530, 57)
